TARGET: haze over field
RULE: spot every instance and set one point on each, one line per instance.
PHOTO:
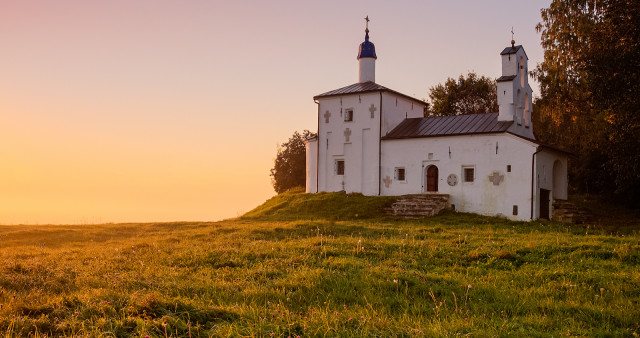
(161, 110)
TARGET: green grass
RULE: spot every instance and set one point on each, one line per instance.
(297, 268)
(295, 205)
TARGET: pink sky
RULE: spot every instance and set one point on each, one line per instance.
(157, 110)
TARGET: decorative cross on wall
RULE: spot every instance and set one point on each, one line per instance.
(496, 178)
(327, 115)
(372, 109)
(347, 133)
(387, 181)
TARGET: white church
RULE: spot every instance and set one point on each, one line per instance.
(376, 141)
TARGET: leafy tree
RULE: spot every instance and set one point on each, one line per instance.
(467, 95)
(290, 163)
(590, 91)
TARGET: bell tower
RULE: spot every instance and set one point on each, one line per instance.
(367, 58)
(514, 92)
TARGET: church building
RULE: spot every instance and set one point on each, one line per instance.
(376, 141)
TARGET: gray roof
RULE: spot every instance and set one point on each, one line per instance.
(448, 126)
(510, 50)
(506, 78)
(364, 87)
(513, 50)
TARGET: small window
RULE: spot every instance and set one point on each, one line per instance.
(508, 168)
(348, 115)
(515, 210)
(468, 173)
(339, 167)
(399, 174)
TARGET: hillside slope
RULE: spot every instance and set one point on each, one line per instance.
(295, 204)
(323, 272)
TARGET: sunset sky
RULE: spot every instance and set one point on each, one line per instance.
(158, 110)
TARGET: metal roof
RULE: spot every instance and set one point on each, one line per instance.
(513, 50)
(510, 50)
(448, 126)
(506, 78)
(364, 87)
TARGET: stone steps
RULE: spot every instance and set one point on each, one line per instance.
(567, 212)
(419, 205)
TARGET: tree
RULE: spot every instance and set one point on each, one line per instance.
(467, 95)
(590, 91)
(290, 163)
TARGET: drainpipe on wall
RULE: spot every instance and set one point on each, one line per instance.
(317, 146)
(533, 161)
(379, 149)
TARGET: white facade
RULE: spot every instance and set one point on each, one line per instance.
(504, 172)
(356, 140)
(498, 175)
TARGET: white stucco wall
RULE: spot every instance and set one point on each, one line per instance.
(506, 99)
(359, 151)
(479, 151)
(396, 108)
(367, 70)
(311, 148)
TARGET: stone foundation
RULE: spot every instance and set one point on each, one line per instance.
(567, 212)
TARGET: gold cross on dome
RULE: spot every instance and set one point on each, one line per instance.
(367, 19)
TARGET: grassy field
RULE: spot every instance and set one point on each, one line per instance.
(321, 265)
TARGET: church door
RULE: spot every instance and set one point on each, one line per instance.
(544, 203)
(431, 178)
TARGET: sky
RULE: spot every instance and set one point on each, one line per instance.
(162, 110)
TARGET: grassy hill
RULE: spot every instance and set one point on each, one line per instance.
(294, 205)
(321, 265)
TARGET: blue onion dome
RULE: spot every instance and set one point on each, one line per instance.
(367, 49)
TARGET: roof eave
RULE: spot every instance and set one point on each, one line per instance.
(442, 135)
(413, 99)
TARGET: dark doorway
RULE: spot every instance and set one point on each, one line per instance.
(544, 203)
(431, 177)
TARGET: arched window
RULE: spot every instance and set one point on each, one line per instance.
(527, 113)
(522, 74)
